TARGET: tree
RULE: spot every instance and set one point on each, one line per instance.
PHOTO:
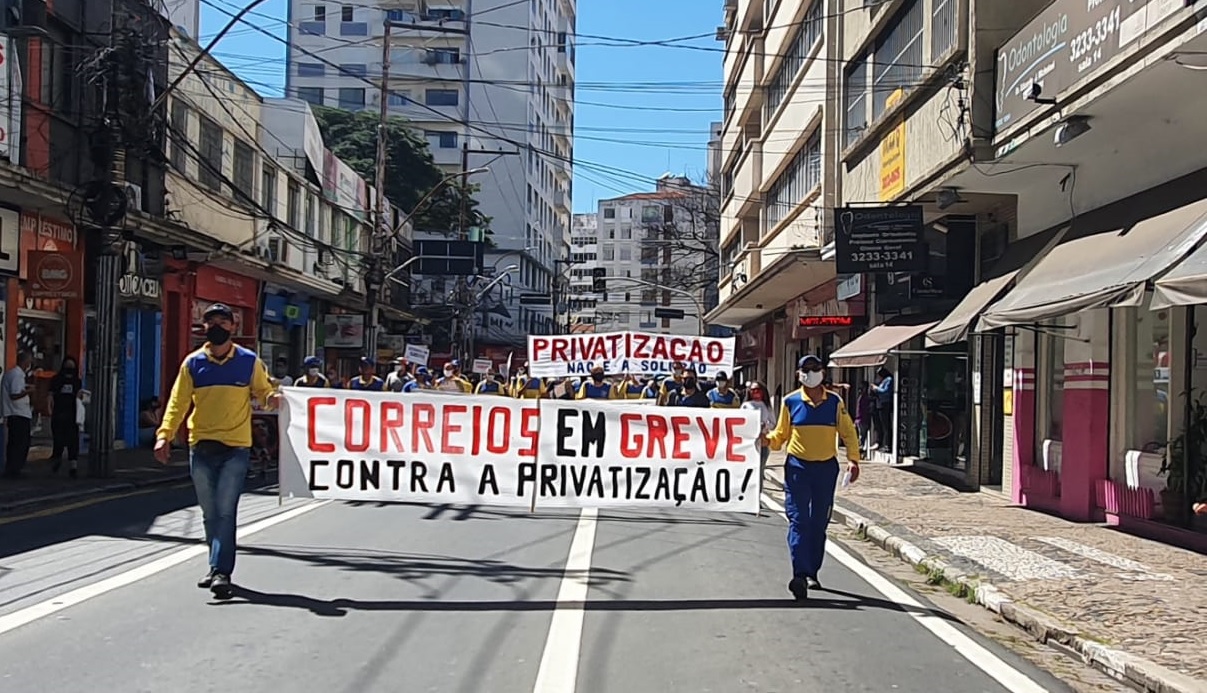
(685, 240)
(410, 170)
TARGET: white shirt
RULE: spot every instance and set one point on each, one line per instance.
(766, 418)
(285, 381)
(13, 383)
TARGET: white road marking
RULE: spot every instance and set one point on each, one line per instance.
(558, 672)
(1136, 571)
(54, 605)
(1010, 678)
(1006, 559)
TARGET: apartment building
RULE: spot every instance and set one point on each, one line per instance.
(582, 260)
(491, 85)
(777, 173)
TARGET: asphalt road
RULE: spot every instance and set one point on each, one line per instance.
(338, 597)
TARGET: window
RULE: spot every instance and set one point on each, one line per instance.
(898, 63)
(354, 29)
(268, 186)
(609, 253)
(313, 28)
(311, 95)
(651, 214)
(351, 99)
(293, 205)
(179, 135)
(808, 35)
(668, 214)
(857, 100)
(243, 169)
(798, 180)
(447, 14)
(311, 69)
(441, 140)
(346, 13)
(399, 97)
(320, 13)
(1148, 380)
(609, 213)
(353, 69)
(441, 97)
(626, 253)
(443, 56)
(209, 171)
(1050, 384)
(626, 232)
(943, 34)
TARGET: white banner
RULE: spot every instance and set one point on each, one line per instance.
(627, 352)
(490, 450)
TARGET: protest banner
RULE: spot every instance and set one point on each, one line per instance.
(489, 450)
(627, 352)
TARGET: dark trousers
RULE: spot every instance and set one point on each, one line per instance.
(66, 435)
(882, 420)
(808, 498)
(16, 448)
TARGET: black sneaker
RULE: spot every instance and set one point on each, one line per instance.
(221, 586)
(799, 588)
(208, 580)
(813, 583)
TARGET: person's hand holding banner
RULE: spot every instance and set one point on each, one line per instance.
(487, 450)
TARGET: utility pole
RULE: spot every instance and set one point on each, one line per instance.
(374, 282)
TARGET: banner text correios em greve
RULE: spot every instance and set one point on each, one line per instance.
(627, 352)
(490, 450)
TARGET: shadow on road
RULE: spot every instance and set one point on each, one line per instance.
(341, 607)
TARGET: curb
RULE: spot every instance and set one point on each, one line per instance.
(118, 487)
(1135, 671)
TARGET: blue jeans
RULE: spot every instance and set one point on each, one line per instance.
(218, 473)
(808, 499)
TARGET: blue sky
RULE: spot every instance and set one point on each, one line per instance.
(631, 126)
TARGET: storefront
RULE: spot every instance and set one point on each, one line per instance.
(343, 339)
(190, 288)
(1101, 368)
(284, 318)
(140, 296)
(826, 318)
(752, 352)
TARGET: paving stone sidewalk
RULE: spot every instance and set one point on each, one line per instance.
(132, 469)
(1141, 597)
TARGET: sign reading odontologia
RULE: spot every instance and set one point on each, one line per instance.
(879, 240)
(1067, 42)
(490, 450)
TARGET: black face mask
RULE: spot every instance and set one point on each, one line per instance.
(597, 378)
(217, 335)
(689, 384)
(69, 370)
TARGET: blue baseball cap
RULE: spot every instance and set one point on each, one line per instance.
(367, 361)
(809, 360)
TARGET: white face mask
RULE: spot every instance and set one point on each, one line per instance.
(448, 374)
(811, 378)
(313, 372)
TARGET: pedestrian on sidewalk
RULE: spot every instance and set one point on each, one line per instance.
(218, 381)
(882, 412)
(756, 400)
(810, 422)
(18, 415)
(864, 411)
(66, 390)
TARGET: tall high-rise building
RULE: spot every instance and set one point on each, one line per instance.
(490, 84)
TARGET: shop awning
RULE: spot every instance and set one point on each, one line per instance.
(955, 327)
(1186, 283)
(872, 347)
(1101, 270)
(787, 276)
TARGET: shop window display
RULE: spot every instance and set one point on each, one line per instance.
(1148, 379)
(1050, 384)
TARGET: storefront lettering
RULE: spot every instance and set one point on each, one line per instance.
(134, 286)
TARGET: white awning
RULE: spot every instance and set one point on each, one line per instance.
(872, 347)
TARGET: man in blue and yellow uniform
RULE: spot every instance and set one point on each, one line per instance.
(452, 380)
(629, 387)
(527, 387)
(671, 385)
(721, 397)
(218, 381)
(314, 374)
(596, 387)
(492, 384)
(811, 421)
(421, 381)
(367, 380)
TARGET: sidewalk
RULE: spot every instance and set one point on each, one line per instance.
(1135, 607)
(132, 469)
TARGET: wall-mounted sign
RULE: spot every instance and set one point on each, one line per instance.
(826, 321)
(879, 240)
(133, 286)
(1069, 41)
(55, 275)
(892, 153)
(849, 287)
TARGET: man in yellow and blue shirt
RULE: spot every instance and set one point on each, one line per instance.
(596, 387)
(721, 397)
(218, 381)
(525, 386)
(492, 384)
(810, 422)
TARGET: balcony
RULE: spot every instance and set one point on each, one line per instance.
(747, 179)
(560, 201)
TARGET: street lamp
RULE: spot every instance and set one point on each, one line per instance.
(681, 292)
(471, 333)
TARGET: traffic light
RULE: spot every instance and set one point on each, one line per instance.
(599, 282)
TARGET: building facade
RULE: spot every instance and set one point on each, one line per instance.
(581, 300)
(454, 78)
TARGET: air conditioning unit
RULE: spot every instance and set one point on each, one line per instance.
(133, 197)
